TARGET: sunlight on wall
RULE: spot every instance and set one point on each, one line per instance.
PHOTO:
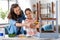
(24, 4)
(4, 6)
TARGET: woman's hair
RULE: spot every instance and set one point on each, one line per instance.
(27, 9)
(12, 14)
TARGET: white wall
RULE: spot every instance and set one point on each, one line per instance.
(24, 4)
(32, 2)
(59, 12)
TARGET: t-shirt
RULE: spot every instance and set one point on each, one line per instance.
(30, 31)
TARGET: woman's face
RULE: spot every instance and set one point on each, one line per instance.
(17, 10)
(29, 14)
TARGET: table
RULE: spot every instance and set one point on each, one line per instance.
(17, 38)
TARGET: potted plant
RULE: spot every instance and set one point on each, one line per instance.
(3, 14)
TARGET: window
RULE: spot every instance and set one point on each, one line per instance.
(4, 7)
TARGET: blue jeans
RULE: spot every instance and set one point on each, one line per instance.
(19, 31)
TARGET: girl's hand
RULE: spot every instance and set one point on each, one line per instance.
(32, 25)
(26, 25)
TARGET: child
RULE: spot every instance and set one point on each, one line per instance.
(29, 21)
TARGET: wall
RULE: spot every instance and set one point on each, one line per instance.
(59, 12)
(24, 4)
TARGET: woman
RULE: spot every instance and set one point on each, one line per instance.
(15, 17)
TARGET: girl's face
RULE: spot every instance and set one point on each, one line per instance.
(29, 14)
(17, 10)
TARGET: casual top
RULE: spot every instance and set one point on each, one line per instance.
(12, 28)
(30, 31)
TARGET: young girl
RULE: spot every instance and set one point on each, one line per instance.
(30, 23)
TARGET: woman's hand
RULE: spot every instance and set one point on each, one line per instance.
(18, 24)
(22, 24)
(26, 25)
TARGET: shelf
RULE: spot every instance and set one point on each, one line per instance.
(3, 25)
(48, 18)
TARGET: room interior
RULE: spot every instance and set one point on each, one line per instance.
(47, 12)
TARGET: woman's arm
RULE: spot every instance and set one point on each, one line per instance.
(14, 23)
(22, 24)
(19, 24)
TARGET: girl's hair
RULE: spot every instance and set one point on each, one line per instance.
(12, 14)
(27, 9)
